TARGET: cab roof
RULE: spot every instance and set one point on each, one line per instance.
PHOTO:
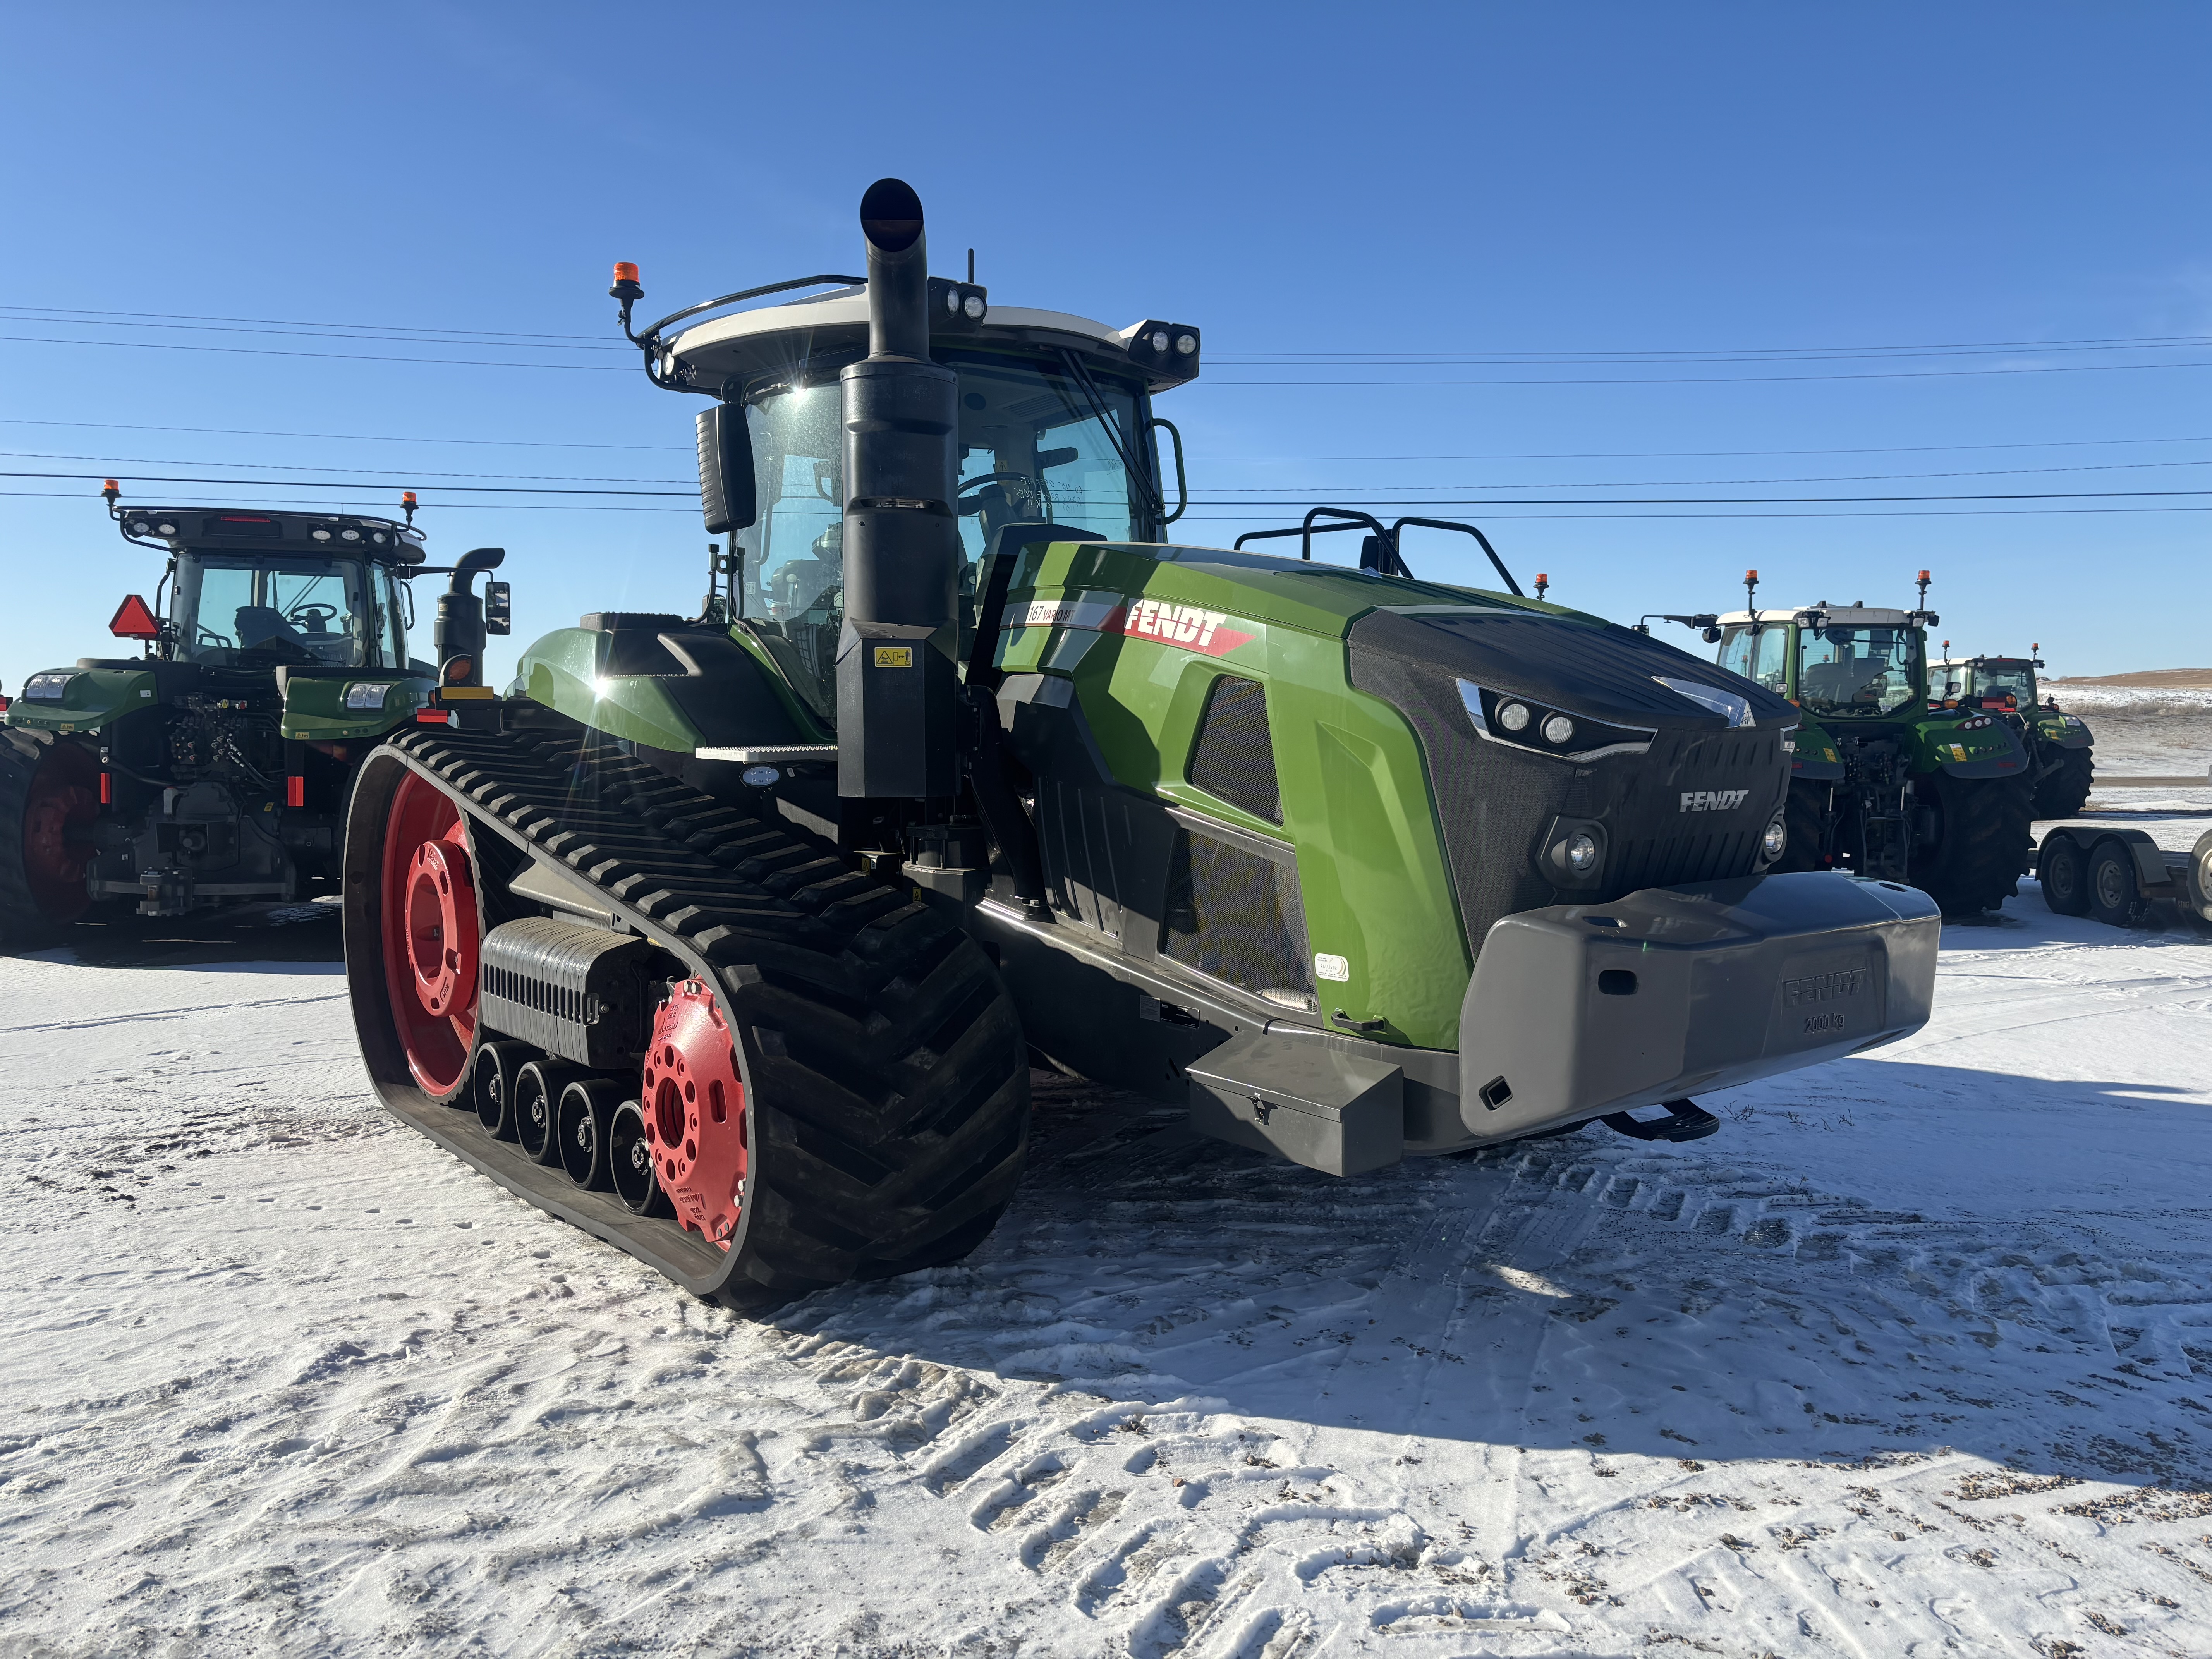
(247, 530)
(1838, 615)
(781, 340)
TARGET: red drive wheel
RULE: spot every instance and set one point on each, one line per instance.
(430, 934)
(695, 1112)
(59, 811)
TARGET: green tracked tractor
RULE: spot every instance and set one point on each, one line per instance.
(732, 938)
(2061, 765)
(1884, 783)
(214, 768)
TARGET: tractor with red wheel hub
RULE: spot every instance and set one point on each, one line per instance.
(965, 760)
(214, 768)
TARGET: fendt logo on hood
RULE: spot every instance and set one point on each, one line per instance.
(1713, 801)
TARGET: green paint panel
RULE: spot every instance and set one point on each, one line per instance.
(1371, 858)
(315, 709)
(561, 670)
(94, 698)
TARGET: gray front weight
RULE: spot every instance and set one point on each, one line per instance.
(1583, 1010)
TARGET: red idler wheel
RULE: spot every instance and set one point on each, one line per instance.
(59, 811)
(695, 1112)
(431, 929)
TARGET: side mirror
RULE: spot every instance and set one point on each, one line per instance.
(1712, 636)
(726, 469)
(498, 608)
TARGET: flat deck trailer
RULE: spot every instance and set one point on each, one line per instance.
(2116, 873)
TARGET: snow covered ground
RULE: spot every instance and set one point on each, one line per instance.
(1914, 1357)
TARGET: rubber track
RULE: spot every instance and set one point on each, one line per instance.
(886, 1067)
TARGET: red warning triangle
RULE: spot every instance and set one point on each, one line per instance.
(135, 620)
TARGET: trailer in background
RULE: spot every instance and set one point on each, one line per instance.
(2117, 874)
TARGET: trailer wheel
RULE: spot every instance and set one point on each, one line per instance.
(1972, 858)
(2063, 870)
(2113, 898)
(2060, 793)
(49, 798)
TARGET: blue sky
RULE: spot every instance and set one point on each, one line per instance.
(1509, 259)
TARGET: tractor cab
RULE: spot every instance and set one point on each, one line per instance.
(2006, 683)
(261, 591)
(1055, 430)
(1835, 662)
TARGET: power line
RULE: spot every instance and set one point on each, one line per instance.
(1513, 455)
(1375, 500)
(1239, 489)
(1776, 355)
(1742, 379)
(337, 356)
(1564, 355)
(1682, 454)
(282, 322)
(279, 466)
(323, 484)
(494, 443)
(517, 344)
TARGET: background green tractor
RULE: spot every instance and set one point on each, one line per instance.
(1883, 784)
(732, 938)
(215, 768)
(2058, 745)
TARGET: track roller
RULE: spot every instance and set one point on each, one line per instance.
(538, 1089)
(491, 1090)
(583, 1123)
(629, 1164)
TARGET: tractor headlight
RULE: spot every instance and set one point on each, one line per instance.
(1573, 853)
(1520, 724)
(46, 688)
(1186, 343)
(973, 307)
(141, 527)
(165, 528)
(367, 696)
(1776, 840)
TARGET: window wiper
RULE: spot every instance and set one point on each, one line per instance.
(1081, 376)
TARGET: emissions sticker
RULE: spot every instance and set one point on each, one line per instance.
(1332, 967)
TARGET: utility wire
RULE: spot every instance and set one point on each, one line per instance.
(491, 443)
(1255, 461)
(281, 322)
(340, 356)
(1376, 500)
(1563, 354)
(1217, 490)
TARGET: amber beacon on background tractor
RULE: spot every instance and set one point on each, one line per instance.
(732, 938)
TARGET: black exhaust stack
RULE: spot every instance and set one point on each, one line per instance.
(896, 685)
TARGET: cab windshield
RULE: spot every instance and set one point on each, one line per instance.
(234, 608)
(1757, 651)
(1996, 680)
(1036, 445)
(1857, 671)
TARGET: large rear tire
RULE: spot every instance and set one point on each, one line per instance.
(1972, 858)
(49, 801)
(2060, 793)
